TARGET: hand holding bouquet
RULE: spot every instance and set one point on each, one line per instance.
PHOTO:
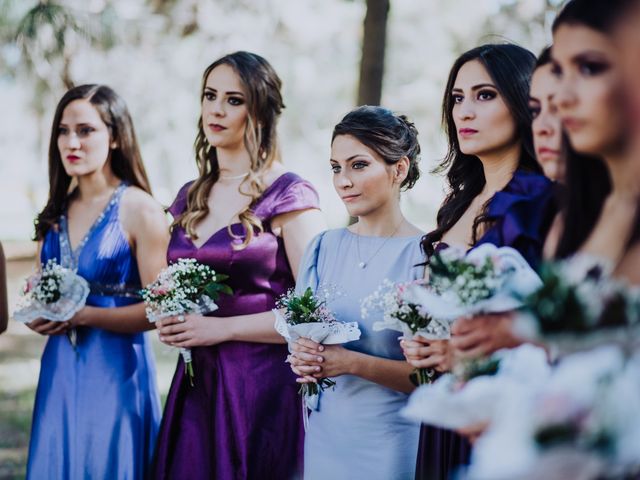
(307, 316)
(400, 312)
(55, 293)
(182, 288)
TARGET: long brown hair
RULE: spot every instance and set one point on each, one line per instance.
(264, 102)
(125, 160)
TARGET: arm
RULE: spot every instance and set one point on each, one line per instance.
(311, 359)
(144, 220)
(4, 309)
(298, 229)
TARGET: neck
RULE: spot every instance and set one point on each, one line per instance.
(499, 169)
(97, 185)
(623, 184)
(233, 163)
(383, 222)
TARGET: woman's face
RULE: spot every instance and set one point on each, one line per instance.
(589, 95)
(224, 109)
(546, 126)
(83, 139)
(483, 121)
(363, 180)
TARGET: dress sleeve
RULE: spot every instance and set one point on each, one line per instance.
(308, 272)
(299, 195)
(180, 202)
(522, 217)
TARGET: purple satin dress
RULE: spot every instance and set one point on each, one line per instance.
(520, 216)
(242, 418)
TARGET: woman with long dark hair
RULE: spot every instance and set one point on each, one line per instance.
(497, 195)
(247, 217)
(97, 408)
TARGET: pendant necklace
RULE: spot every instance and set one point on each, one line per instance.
(233, 177)
(363, 263)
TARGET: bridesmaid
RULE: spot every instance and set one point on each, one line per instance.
(247, 217)
(356, 431)
(602, 172)
(97, 409)
(484, 334)
(497, 195)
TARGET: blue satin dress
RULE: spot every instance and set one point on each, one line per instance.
(97, 409)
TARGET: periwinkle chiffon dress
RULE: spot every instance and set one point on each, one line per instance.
(242, 418)
(97, 410)
(356, 431)
(521, 215)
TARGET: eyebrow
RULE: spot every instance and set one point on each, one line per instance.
(227, 93)
(476, 87)
(351, 158)
(81, 124)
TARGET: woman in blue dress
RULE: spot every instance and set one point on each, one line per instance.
(97, 409)
(356, 431)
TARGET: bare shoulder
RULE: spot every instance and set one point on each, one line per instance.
(629, 266)
(138, 210)
(275, 172)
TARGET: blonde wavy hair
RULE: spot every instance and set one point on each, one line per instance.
(264, 102)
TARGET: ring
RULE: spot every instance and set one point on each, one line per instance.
(181, 318)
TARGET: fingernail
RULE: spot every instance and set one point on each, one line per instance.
(321, 348)
(317, 369)
(320, 359)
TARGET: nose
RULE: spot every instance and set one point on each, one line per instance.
(70, 141)
(217, 107)
(465, 110)
(565, 97)
(342, 181)
(543, 125)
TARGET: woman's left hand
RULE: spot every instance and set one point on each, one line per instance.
(483, 334)
(333, 360)
(192, 330)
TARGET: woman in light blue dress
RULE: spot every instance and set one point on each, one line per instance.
(97, 409)
(356, 431)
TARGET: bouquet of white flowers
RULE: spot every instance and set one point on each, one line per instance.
(400, 312)
(54, 293)
(184, 287)
(578, 307)
(488, 279)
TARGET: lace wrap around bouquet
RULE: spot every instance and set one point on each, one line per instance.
(306, 315)
(399, 308)
(54, 293)
(182, 288)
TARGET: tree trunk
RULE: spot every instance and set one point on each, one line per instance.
(373, 46)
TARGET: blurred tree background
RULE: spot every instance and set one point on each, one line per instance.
(331, 55)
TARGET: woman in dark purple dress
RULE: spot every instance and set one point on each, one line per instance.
(246, 217)
(497, 195)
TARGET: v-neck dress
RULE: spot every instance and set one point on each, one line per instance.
(242, 417)
(97, 409)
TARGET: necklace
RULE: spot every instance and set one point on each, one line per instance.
(363, 263)
(233, 177)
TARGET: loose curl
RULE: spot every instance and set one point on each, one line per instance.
(510, 68)
(125, 159)
(390, 136)
(264, 101)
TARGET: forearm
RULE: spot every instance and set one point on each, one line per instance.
(256, 327)
(393, 374)
(129, 319)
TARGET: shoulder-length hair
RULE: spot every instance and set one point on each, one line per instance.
(125, 159)
(264, 101)
(510, 67)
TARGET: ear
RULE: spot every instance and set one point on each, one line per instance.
(401, 169)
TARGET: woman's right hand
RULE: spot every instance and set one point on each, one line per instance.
(48, 327)
(423, 353)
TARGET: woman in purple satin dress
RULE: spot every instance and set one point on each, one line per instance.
(497, 195)
(246, 217)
